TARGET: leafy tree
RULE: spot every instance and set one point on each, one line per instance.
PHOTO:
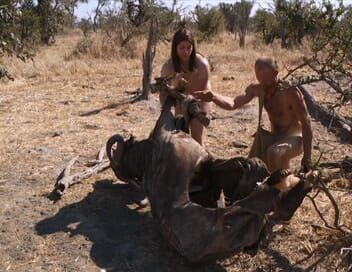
(243, 10)
(328, 31)
(86, 25)
(28, 23)
(45, 15)
(141, 11)
(295, 19)
(98, 12)
(69, 7)
(346, 24)
(11, 42)
(330, 59)
(230, 16)
(133, 19)
(267, 25)
(236, 17)
(289, 20)
(208, 20)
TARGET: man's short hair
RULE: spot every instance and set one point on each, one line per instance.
(267, 61)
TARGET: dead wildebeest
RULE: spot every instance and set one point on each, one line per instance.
(170, 164)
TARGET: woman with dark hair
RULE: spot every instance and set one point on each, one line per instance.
(195, 68)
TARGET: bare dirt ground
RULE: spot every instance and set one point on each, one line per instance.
(96, 225)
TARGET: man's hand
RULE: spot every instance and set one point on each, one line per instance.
(205, 96)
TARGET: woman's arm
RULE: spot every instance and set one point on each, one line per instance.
(204, 74)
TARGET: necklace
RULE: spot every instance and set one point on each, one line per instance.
(274, 90)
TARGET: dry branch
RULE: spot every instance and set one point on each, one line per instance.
(65, 179)
(100, 164)
(323, 188)
(320, 186)
(345, 164)
(99, 157)
(292, 71)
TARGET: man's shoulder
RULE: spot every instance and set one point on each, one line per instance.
(295, 95)
(287, 89)
(254, 89)
(293, 91)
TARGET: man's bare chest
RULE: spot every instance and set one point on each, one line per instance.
(278, 105)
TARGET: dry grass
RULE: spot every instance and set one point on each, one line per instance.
(95, 224)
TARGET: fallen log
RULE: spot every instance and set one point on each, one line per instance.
(345, 164)
(338, 124)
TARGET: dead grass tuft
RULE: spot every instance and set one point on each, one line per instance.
(99, 46)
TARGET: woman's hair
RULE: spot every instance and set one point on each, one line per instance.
(182, 35)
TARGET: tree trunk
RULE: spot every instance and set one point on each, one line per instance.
(71, 12)
(242, 35)
(101, 4)
(44, 8)
(148, 58)
(282, 33)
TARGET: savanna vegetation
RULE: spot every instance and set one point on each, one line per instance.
(67, 84)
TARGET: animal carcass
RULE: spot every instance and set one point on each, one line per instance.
(183, 183)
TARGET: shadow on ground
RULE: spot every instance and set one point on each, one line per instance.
(122, 239)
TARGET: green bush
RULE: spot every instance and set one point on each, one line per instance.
(209, 21)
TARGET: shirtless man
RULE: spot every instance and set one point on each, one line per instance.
(195, 67)
(290, 124)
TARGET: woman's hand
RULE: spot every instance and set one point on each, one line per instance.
(205, 96)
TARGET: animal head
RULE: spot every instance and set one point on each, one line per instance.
(255, 169)
(177, 81)
(127, 158)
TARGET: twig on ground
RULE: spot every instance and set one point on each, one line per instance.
(321, 187)
(65, 179)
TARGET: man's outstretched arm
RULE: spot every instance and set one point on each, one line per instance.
(226, 102)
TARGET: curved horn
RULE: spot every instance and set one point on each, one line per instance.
(109, 152)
